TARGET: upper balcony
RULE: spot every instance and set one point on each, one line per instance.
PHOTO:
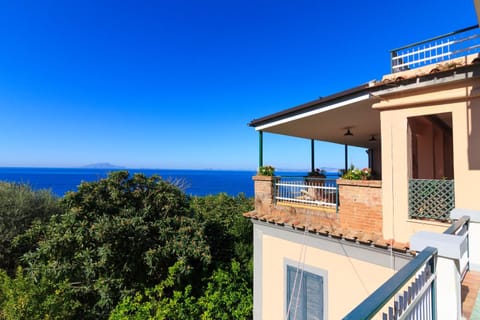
(436, 50)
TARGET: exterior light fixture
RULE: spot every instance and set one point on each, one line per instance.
(372, 138)
(348, 133)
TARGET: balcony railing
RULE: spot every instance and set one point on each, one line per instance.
(430, 199)
(314, 192)
(408, 294)
(436, 50)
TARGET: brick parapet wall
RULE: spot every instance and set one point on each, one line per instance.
(263, 193)
(264, 206)
(361, 205)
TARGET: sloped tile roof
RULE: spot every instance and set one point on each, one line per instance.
(361, 238)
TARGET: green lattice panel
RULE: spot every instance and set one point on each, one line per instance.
(430, 199)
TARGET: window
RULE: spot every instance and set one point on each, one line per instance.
(305, 296)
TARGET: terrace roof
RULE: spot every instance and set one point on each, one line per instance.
(328, 118)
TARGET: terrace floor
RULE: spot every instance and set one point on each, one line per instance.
(470, 297)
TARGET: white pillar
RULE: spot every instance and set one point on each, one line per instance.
(449, 289)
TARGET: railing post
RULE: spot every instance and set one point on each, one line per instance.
(433, 288)
(473, 234)
(392, 62)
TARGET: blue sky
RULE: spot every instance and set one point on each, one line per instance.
(173, 84)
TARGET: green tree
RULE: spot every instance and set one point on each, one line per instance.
(119, 236)
(20, 207)
(226, 295)
(228, 233)
(227, 292)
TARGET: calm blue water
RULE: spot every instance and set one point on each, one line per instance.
(199, 182)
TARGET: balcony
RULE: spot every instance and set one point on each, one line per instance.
(436, 50)
(354, 206)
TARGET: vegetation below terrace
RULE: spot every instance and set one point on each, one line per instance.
(125, 247)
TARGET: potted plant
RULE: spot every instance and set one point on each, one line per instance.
(266, 171)
(357, 174)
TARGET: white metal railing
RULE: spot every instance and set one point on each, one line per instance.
(436, 50)
(315, 192)
(408, 294)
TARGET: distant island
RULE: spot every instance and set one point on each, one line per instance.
(102, 165)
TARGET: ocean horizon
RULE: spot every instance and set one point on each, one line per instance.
(197, 182)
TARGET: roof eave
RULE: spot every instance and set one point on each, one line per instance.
(315, 104)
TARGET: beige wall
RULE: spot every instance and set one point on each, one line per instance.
(349, 280)
(461, 99)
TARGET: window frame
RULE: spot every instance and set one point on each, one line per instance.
(315, 272)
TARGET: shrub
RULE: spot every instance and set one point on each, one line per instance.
(20, 208)
(23, 297)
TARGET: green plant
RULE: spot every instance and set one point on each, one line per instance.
(24, 297)
(20, 208)
(119, 235)
(226, 295)
(357, 174)
(266, 171)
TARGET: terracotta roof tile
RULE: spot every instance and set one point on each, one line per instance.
(361, 238)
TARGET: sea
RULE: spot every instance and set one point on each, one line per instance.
(196, 182)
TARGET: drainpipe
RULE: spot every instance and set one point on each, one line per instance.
(260, 149)
(312, 148)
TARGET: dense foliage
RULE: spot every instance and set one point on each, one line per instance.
(227, 295)
(20, 207)
(227, 232)
(139, 246)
